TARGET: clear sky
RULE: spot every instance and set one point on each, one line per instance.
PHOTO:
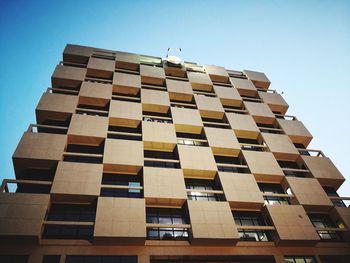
(302, 46)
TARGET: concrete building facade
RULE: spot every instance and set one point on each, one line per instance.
(137, 159)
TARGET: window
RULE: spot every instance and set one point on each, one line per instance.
(253, 235)
(299, 259)
(273, 189)
(122, 180)
(331, 192)
(68, 232)
(324, 221)
(162, 159)
(196, 185)
(68, 212)
(148, 60)
(51, 259)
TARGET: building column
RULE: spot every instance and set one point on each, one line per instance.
(279, 258)
(143, 259)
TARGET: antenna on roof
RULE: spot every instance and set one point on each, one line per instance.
(172, 57)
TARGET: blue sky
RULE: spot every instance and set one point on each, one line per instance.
(302, 46)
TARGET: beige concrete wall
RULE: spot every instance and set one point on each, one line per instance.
(222, 141)
(22, 215)
(275, 101)
(126, 83)
(158, 136)
(82, 179)
(127, 60)
(120, 219)
(179, 90)
(209, 107)
(244, 86)
(164, 186)
(57, 103)
(89, 90)
(241, 190)
(216, 73)
(67, 76)
(197, 161)
(263, 166)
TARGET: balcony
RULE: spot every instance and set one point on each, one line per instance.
(275, 101)
(164, 187)
(270, 128)
(244, 87)
(228, 96)
(66, 77)
(260, 112)
(231, 164)
(152, 75)
(167, 224)
(258, 78)
(292, 225)
(192, 139)
(125, 114)
(25, 214)
(296, 131)
(127, 61)
(162, 159)
(204, 190)
(337, 200)
(25, 186)
(222, 141)
(100, 68)
(95, 94)
(309, 193)
(263, 166)
(124, 132)
(200, 81)
(187, 120)
(83, 151)
(257, 145)
(127, 84)
(274, 194)
(197, 162)
(155, 101)
(212, 223)
(281, 146)
(326, 228)
(244, 126)
(209, 107)
(179, 90)
(174, 72)
(294, 168)
(158, 136)
(120, 221)
(217, 74)
(241, 191)
(77, 54)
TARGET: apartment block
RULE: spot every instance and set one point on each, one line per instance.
(135, 158)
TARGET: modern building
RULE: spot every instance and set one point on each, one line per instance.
(138, 159)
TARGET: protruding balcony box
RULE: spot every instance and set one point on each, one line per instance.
(155, 100)
(241, 190)
(243, 125)
(77, 181)
(258, 78)
(97, 94)
(275, 101)
(323, 169)
(179, 90)
(56, 107)
(152, 75)
(164, 187)
(87, 129)
(100, 68)
(158, 136)
(217, 74)
(228, 96)
(123, 156)
(296, 131)
(200, 81)
(77, 54)
(212, 223)
(281, 146)
(197, 162)
(68, 77)
(22, 216)
(222, 141)
(244, 86)
(263, 166)
(209, 107)
(187, 120)
(127, 61)
(342, 214)
(175, 71)
(120, 220)
(125, 113)
(309, 193)
(260, 112)
(293, 226)
(126, 83)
